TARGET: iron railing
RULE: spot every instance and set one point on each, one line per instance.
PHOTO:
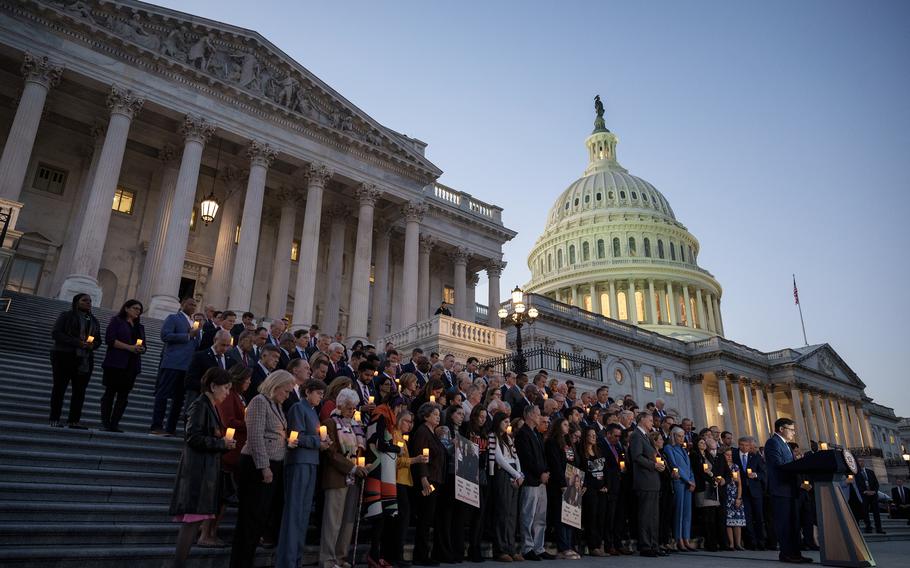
(552, 360)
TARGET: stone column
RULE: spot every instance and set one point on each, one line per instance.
(750, 406)
(717, 319)
(829, 420)
(614, 308)
(772, 407)
(166, 279)
(337, 217)
(633, 305)
(261, 156)
(379, 310)
(867, 429)
(698, 401)
(574, 289)
(764, 426)
(823, 434)
(671, 304)
(124, 105)
(859, 419)
(460, 263)
(494, 271)
(797, 412)
(690, 317)
(595, 299)
(712, 325)
(726, 424)
(654, 318)
(473, 279)
(158, 241)
(425, 246)
(810, 416)
(40, 75)
(217, 292)
(305, 290)
(700, 306)
(359, 306)
(413, 213)
(845, 421)
(738, 415)
(281, 267)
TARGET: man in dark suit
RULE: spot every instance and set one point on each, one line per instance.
(225, 320)
(202, 361)
(782, 486)
(242, 352)
(901, 500)
(603, 398)
(443, 310)
(753, 490)
(212, 317)
(336, 355)
(349, 369)
(510, 391)
(260, 338)
(867, 483)
(246, 323)
(180, 339)
(364, 386)
(301, 341)
(613, 519)
(268, 362)
(448, 374)
(646, 483)
(411, 366)
(533, 492)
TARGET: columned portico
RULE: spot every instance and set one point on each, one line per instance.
(166, 280)
(219, 284)
(124, 105)
(359, 305)
(823, 434)
(862, 439)
(812, 430)
(304, 296)
(261, 156)
(281, 267)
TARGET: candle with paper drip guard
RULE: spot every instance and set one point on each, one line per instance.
(749, 471)
(806, 483)
(90, 339)
(659, 459)
(356, 416)
(432, 399)
(622, 465)
(735, 476)
(399, 443)
(371, 399)
(704, 467)
(195, 325)
(361, 461)
(229, 434)
(138, 343)
(293, 436)
(406, 438)
(823, 446)
(509, 430)
(323, 432)
(426, 453)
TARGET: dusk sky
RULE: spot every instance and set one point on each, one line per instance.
(778, 131)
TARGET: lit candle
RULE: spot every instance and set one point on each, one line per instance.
(138, 343)
(850, 478)
(735, 476)
(406, 437)
(659, 459)
(356, 416)
(622, 465)
(806, 483)
(509, 430)
(823, 446)
(400, 444)
(195, 325)
(426, 452)
(432, 399)
(675, 470)
(432, 488)
(748, 471)
(229, 435)
(371, 399)
(719, 478)
(361, 461)
(90, 339)
(545, 397)
(704, 466)
(323, 432)
(293, 436)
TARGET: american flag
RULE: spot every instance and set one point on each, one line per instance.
(795, 291)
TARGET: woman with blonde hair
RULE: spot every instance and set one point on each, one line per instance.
(261, 467)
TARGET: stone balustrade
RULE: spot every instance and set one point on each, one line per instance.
(446, 334)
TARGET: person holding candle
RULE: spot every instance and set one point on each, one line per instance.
(426, 474)
(180, 334)
(684, 483)
(261, 466)
(433, 388)
(665, 506)
(559, 452)
(125, 337)
(197, 491)
(300, 470)
(76, 335)
(782, 486)
(613, 454)
(735, 512)
(448, 535)
(341, 478)
(397, 532)
(645, 475)
(594, 500)
(408, 388)
(752, 470)
(507, 482)
(476, 429)
(379, 495)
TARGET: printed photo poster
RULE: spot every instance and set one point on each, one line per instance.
(571, 496)
(467, 471)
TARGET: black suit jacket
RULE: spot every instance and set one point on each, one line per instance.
(235, 358)
(346, 371)
(237, 330)
(358, 386)
(201, 362)
(448, 379)
(895, 495)
(612, 471)
(259, 375)
(531, 455)
(408, 367)
(867, 483)
(297, 354)
(283, 359)
(291, 400)
(208, 338)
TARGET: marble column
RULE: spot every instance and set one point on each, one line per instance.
(359, 305)
(845, 423)
(698, 401)
(671, 304)
(494, 272)
(823, 434)
(719, 322)
(124, 105)
(712, 324)
(653, 316)
(797, 412)
(690, 317)
(633, 305)
(460, 266)
(473, 279)
(833, 437)
(158, 239)
(77, 212)
(217, 292)
(858, 419)
(764, 426)
(614, 308)
(726, 423)
(305, 290)
(741, 427)
(261, 156)
(700, 307)
(574, 289)
(287, 199)
(753, 414)
(40, 75)
(337, 217)
(413, 213)
(595, 299)
(379, 309)
(812, 431)
(867, 429)
(166, 278)
(772, 406)
(425, 246)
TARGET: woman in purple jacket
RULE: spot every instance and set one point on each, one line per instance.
(125, 339)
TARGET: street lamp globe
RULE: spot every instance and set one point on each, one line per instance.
(533, 313)
(519, 308)
(502, 313)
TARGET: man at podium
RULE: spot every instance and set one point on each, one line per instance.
(782, 485)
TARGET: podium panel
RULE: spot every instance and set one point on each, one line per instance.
(840, 541)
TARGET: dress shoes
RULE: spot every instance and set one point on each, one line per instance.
(649, 553)
(531, 556)
(547, 556)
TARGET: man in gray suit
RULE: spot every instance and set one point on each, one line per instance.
(646, 483)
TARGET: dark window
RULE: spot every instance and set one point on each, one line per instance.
(576, 202)
(682, 253)
(634, 195)
(571, 254)
(660, 248)
(599, 196)
(616, 250)
(49, 179)
(672, 251)
(585, 251)
(631, 246)
(601, 251)
(622, 194)
(587, 199)
(559, 258)
(647, 247)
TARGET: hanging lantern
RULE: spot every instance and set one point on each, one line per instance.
(720, 409)
(208, 208)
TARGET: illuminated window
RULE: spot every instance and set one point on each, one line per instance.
(668, 386)
(640, 305)
(564, 363)
(618, 376)
(586, 300)
(372, 274)
(193, 220)
(659, 304)
(694, 312)
(631, 246)
(605, 304)
(123, 201)
(237, 235)
(616, 250)
(601, 250)
(648, 382)
(683, 310)
(891, 436)
(295, 254)
(647, 247)
(622, 306)
(49, 179)
(448, 295)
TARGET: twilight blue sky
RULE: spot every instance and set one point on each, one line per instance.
(779, 132)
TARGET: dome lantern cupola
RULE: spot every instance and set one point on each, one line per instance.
(601, 144)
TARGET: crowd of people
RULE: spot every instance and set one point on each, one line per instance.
(299, 429)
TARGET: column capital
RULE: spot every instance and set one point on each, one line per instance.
(697, 378)
(473, 279)
(196, 129)
(318, 174)
(494, 268)
(124, 101)
(287, 196)
(167, 154)
(367, 194)
(98, 131)
(260, 154)
(39, 69)
(414, 211)
(426, 243)
(233, 177)
(337, 212)
(460, 255)
(721, 374)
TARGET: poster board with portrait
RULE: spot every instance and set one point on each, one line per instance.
(571, 496)
(467, 471)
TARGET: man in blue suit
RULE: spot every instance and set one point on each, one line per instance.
(753, 471)
(782, 486)
(180, 339)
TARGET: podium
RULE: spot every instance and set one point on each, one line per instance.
(839, 539)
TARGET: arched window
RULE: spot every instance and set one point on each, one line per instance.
(599, 196)
(632, 250)
(549, 262)
(622, 306)
(587, 199)
(640, 306)
(682, 253)
(585, 251)
(616, 251)
(576, 202)
(571, 254)
(601, 251)
(660, 248)
(672, 251)
(622, 194)
(647, 247)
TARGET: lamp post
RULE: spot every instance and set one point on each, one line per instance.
(519, 315)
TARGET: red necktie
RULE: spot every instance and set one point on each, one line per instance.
(245, 364)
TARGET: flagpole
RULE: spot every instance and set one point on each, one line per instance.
(800, 306)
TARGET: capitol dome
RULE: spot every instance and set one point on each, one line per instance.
(612, 245)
